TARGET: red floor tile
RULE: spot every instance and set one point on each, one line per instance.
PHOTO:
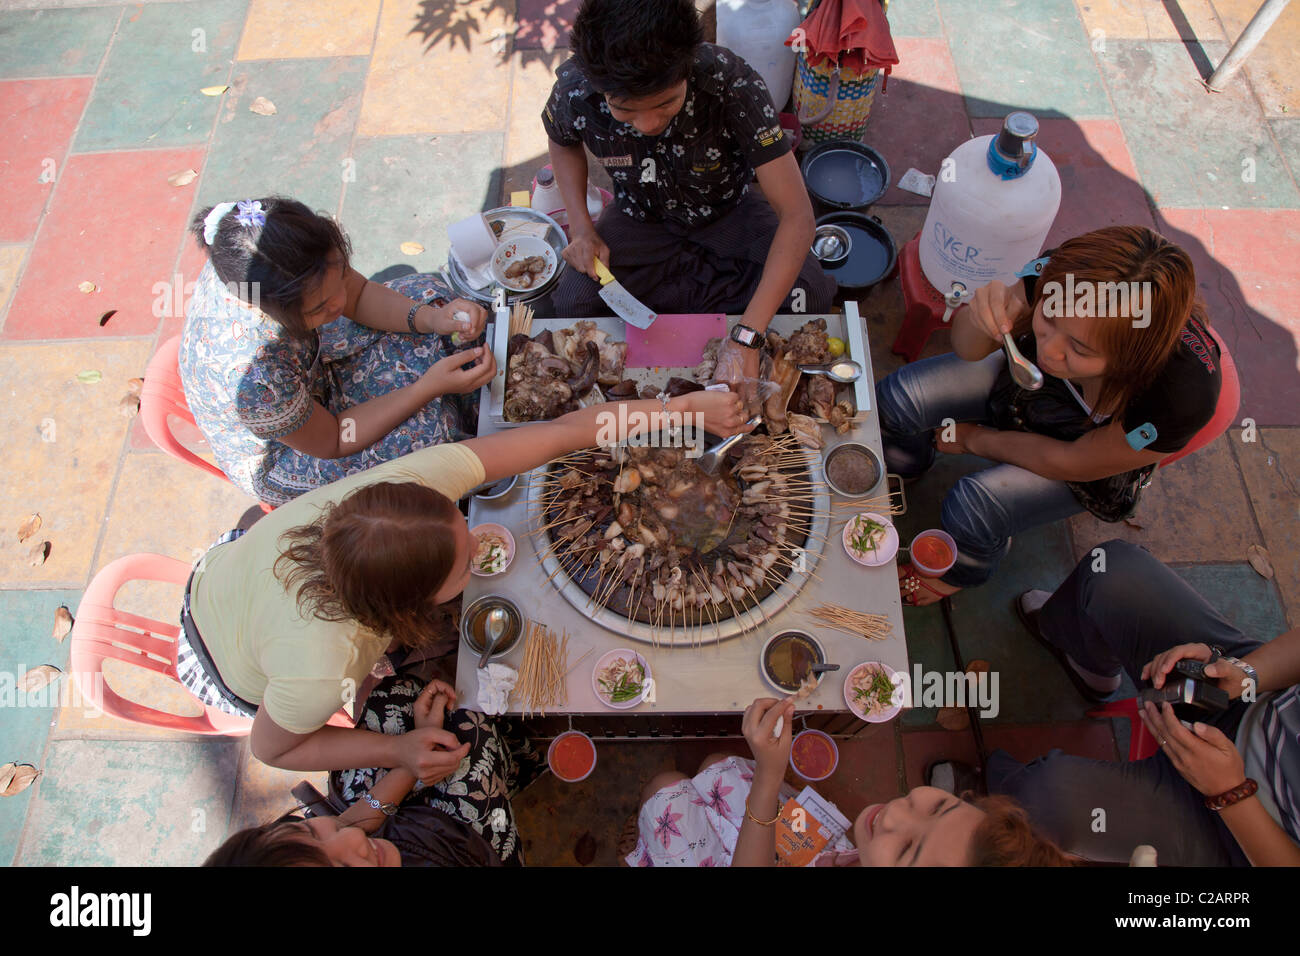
(1099, 183)
(114, 221)
(40, 118)
(921, 116)
(1245, 267)
(1085, 738)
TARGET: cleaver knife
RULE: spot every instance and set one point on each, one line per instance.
(624, 304)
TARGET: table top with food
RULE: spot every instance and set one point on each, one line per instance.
(631, 578)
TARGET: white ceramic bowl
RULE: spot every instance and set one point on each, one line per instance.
(607, 659)
(516, 250)
(885, 715)
(502, 532)
(883, 553)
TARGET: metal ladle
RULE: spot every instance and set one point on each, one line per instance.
(709, 461)
(1023, 372)
(496, 626)
(844, 371)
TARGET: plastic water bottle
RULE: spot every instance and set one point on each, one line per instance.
(994, 201)
(546, 194)
(757, 30)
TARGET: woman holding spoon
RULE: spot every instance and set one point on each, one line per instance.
(1129, 372)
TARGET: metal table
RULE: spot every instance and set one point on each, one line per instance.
(712, 679)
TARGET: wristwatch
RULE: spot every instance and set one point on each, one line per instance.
(387, 809)
(742, 334)
(1218, 655)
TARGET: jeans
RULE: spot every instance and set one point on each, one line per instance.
(1121, 618)
(983, 509)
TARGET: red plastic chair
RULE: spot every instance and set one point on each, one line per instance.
(101, 632)
(162, 398)
(1226, 411)
(923, 304)
(1140, 742)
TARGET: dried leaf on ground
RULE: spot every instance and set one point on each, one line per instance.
(29, 527)
(953, 718)
(39, 677)
(183, 178)
(213, 90)
(129, 406)
(134, 386)
(1134, 525)
(1259, 560)
(22, 778)
(103, 319)
(978, 667)
(87, 286)
(62, 624)
(7, 774)
(262, 107)
(411, 248)
(89, 376)
(37, 555)
(584, 851)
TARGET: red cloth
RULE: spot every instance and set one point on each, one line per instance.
(853, 33)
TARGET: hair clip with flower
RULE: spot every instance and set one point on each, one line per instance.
(250, 213)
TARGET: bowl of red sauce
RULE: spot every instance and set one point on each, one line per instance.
(814, 755)
(572, 756)
(933, 553)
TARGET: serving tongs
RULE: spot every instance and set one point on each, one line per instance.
(711, 459)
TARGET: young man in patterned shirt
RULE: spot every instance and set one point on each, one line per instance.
(683, 127)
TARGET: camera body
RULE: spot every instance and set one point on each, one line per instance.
(1192, 699)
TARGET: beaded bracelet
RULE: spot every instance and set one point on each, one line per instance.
(410, 318)
(1238, 793)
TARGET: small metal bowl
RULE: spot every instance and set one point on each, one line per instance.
(764, 655)
(497, 490)
(473, 625)
(853, 448)
(831, 244)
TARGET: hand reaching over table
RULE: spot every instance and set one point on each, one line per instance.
(461, 372)
(738, 367)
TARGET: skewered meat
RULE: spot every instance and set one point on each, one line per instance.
(806, 430)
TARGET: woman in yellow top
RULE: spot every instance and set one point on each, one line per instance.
(286, 622)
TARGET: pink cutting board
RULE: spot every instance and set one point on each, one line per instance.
(673, 340)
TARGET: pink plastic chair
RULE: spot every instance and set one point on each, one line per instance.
(101, 632)
(1140, 742)
(1224, 413)
(162, 398)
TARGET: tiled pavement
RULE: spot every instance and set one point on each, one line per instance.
(399, 116)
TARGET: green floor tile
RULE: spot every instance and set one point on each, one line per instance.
(1023, 54)
(54, 42)
(1247, 601)
(410, 188)
(298, 152)
(131, 803)
(26, 618)
(914, 18)
(1287, 133)
(164, 54)
(1193, 149)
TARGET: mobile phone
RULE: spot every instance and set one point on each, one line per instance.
(1192, 699)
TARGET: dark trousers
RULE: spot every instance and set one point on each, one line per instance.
(679, 269)
(1107, 621)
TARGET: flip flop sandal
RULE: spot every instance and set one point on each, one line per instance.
(911, 582)
(1030, 623)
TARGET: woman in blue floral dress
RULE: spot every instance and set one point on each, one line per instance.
(299, 371)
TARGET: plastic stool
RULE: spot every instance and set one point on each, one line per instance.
(923, 305)
(1140, 742)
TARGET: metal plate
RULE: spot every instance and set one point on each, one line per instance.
(510, 217)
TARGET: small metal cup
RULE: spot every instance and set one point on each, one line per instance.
(831, 244)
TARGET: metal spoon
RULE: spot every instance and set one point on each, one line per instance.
(1023, 372)
(843, 371)
(711, 459)
(496, 626)
(823, 668)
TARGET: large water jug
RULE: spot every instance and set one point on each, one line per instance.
(757, 30)
(994, 201)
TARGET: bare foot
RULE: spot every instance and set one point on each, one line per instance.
(920, 591)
